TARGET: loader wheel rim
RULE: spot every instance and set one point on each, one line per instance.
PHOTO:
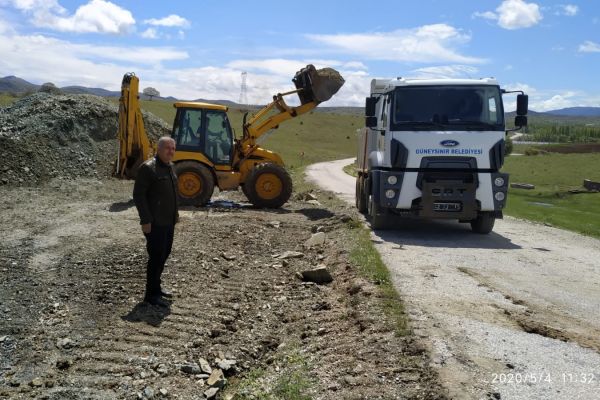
(189, 184)
(268, 186)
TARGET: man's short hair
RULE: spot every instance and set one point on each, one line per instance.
(165, 139)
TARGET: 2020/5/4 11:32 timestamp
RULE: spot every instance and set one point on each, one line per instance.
(578, 377)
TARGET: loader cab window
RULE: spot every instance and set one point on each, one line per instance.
(188, 129)
(218, 145)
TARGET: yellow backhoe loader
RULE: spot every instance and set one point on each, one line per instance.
(207, 153)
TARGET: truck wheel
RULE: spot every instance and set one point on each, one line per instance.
(268, 186)
(361, 204)
(376, 215)
(195, 183)
(484, 223)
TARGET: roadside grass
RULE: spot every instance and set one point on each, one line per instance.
(550, 202)
(370, 265)
(365, 257)
(294, 382)
(350, 169)
(6, 99)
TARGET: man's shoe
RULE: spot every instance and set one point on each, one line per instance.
(166, 293)
(156, 301)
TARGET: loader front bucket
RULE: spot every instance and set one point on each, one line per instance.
(317, 85)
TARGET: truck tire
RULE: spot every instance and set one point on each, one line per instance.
(376, 215)
(361, 203)
(195, 183)
(484, 223)
(268, 186)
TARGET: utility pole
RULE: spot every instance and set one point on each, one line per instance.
(244, 92)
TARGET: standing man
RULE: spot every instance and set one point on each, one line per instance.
(155, 197)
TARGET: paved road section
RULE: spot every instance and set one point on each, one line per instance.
(510, 315)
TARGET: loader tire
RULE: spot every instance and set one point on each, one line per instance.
(195, 183)
(268, 186)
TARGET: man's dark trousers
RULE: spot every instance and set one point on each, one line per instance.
(158, 243)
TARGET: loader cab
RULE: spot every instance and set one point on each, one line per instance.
(204, 128)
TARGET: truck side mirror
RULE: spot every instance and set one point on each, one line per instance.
(521, 121)
(371, 122)
(370, 106)
(522, 105)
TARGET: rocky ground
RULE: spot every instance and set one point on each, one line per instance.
(243, 324)
(52, 136)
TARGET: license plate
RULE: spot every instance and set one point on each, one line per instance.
(447, 207)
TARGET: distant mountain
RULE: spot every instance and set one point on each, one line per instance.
(95, 91)
(12, 84)
(576, 112)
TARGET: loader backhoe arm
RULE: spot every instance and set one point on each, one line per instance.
(134, 145)
(312, 86)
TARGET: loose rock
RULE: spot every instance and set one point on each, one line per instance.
(318, 275)
(291, 254)
(205, 366)
(65, 343)
(216, 379)
(191, 368)
(211, 393)
(317, 239)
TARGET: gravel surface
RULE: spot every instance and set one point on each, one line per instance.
(72, 262)
(510, 315)
(46, 136)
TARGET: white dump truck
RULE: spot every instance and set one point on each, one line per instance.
(434, 148)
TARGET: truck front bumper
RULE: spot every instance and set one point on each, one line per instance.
(446, 197)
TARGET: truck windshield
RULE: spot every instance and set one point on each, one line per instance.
(472, 108)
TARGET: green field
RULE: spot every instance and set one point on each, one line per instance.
(550, 202)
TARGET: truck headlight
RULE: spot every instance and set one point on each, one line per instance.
(390, 194)
(392, 180)
(499, 181)
(499, 195)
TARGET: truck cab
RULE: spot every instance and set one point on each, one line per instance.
(434, 148)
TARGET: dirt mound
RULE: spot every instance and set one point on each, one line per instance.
(45, 136)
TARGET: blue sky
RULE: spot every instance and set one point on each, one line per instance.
(199, 49)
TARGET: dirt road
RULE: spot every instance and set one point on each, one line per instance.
(510, 315)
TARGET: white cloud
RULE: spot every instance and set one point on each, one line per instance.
(555, 102)
(486, 15)
(445, 71)
(5, 27)
(96, 16)
(546, 100)
(47, 59)
(150, 33)
(354, 65)
(589, 47)
(428, 43)
(514, 14)
(169, 21)
(42, 59)
(570, 10)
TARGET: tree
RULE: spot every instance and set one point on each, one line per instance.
(151, 92)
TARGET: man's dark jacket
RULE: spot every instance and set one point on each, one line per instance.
(155, 193)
